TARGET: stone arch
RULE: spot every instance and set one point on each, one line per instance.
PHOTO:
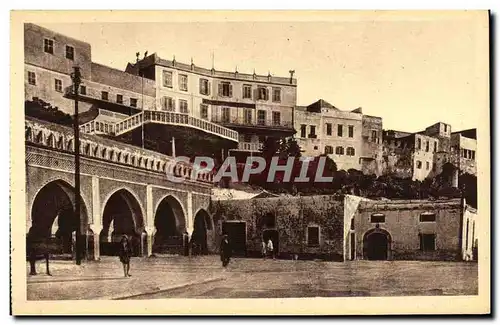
(202, 232)
(125, 158)
(69, 145)
(132, 160)
(170, 224)
(377, 244)
(60, 142)
(104, 153)
(50, 140)
(122, 214)
(96, 151)
(28, 133)
(52, 213)
(39, 137)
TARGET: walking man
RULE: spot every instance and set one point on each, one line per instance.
(225, 250)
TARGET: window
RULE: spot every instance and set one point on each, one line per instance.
(31, 78)
(104, 95)
(204, 87)
(419, 144)
(248, 116)
(247, 138)
(247, 91)
(303, 130)
(119, 99)
(427, 146)
(226, 114)
(427, 242)
(276, 94)
(167, 79)
(419, 164)
(427, 165)
(350, 151)
(183, 106)
(351, 131)
(313, 236)
(328, 129)
(225, 89)
(261, 117)
(167, 104)
(339, 130)
(374, 136)
(262, 138)
(276, 118)
(262, 93)
(204, 111)
(133, 102)
(315, 147)
(58, 85)
(377, 218)
(328, 150)
(83, 90)
(428, 217)
(183, 82)
(48, 46)
(445, 128)
(473, 155)
(312, 132)
(339, 150)
(435, 146)
(70, 52)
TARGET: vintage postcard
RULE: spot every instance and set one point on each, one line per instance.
(250, 162)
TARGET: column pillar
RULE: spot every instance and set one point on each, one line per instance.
(96, 221)
(189, 217)
(150, 221)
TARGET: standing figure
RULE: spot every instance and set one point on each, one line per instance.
(270, 248)
(264, 251)
(125, 253)
(225, 250)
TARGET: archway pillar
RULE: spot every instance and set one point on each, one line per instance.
(150, 213)
(96, 229)
(28, 224)
(151, 232)
(189, 217)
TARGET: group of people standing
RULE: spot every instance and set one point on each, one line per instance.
(125, 252)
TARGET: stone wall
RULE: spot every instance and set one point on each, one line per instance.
(292, 217)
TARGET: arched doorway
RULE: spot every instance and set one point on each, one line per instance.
(377, 244)
(170, 226)
(199, 237)
(122, 216)
(53, 217)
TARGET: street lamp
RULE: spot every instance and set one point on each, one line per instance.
(76, 77)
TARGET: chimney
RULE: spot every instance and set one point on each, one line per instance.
(292, 72)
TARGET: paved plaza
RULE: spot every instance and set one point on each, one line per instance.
(204, 277)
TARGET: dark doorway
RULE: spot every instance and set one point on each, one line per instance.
(237, 233)
(199, 237)
(122, 216)
(376, 246)
(275, 238)
(169, 223)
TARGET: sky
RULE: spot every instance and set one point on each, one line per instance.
(412, 71)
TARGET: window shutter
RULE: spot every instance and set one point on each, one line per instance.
(256, 93)
(200, 82)
(209, 88)
(230, 90)
(267, 94)
(163, 103)
(220, 89)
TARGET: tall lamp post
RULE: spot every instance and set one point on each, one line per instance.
(76, 77)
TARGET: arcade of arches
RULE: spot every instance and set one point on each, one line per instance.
(52, 216)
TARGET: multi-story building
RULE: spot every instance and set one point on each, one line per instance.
(255, 106)
(350, 138)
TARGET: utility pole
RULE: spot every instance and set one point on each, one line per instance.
(76, 78)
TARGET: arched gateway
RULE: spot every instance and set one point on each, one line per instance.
(377, 244)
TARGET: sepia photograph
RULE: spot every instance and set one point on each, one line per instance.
(167, 162)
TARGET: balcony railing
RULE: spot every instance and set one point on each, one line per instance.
(60, 138)
(284, 124)
(250, 146)
(161, 117)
